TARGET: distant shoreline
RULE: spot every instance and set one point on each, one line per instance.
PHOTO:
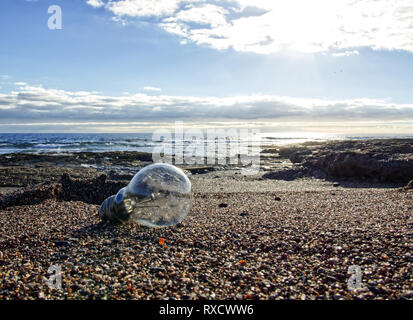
(146, 142)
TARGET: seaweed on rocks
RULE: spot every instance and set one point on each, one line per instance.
(92, 191)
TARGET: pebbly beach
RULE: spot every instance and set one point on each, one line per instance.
(295, 230)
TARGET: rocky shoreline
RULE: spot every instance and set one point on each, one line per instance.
(368, 160)
(377, 161)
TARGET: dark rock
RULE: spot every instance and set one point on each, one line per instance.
(156, 269)
(375, 160)
(377, 289)
(102, 178)
(409, 186)
(299, 155)
(287, 175)
(116, 240)
(65, 178)
(61, 243)
(407, 295)
(84, 292)
(193, 269)
(243, 214)
(200, 169)
(223, 205)
(293, 151)
(331, 279)
(277, 198)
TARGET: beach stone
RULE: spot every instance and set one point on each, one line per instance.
(409, 186)
(287, 174)
(199, 169)
(223, 205)
(61, 243)
(407, 295)
(156, 269)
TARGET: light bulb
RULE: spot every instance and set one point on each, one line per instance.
(158, 195)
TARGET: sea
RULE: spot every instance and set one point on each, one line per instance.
(39, 143)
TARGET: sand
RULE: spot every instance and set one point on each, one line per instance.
(243, 239)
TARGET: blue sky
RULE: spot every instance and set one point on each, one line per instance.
(147, 61)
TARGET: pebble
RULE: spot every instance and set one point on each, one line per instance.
(61, 243)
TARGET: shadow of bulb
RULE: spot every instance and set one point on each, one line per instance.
(158, 195)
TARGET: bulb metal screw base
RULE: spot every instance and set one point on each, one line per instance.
(110, 211)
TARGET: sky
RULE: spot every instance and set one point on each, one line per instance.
(129, 65)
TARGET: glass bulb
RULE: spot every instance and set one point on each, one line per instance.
(158, 195)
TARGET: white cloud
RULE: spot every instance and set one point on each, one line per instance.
(346, 53)
(207, 14)
(142, 8)
(264, 26)
(95, 3)
(147, 88)
(29, 104)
